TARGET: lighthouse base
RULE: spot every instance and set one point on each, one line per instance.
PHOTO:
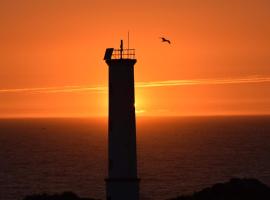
(122, 188)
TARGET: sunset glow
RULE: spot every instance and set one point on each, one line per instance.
(51, 56)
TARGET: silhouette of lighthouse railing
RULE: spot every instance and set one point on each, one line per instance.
(121, 53)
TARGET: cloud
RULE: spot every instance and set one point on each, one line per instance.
(223, 81)
(150, 84)
(55, 89)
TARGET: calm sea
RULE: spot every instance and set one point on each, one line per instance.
(176, 155)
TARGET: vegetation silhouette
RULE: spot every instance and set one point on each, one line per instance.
(235, 189)
(63, 196)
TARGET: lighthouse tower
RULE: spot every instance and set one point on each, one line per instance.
(122, 182)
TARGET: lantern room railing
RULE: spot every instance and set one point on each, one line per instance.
(123, 54)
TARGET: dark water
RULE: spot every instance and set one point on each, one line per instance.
(176, 155)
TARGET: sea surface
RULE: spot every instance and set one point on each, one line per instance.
(176, 155)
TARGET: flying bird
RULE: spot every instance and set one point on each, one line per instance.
(165, 40)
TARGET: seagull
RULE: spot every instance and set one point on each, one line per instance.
(165, 40)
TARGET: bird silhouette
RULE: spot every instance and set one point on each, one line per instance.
(165, 40)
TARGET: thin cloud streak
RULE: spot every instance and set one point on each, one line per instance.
(54, 89)
(152, 84)
(245, 80)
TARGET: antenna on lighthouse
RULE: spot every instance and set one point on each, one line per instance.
(128, 39)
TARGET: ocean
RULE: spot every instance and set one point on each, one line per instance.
(176, 155)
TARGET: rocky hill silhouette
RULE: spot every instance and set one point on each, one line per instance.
(63, 196)
(235, 189)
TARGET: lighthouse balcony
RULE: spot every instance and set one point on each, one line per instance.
(119, 54)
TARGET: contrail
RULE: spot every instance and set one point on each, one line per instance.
(150, 84)
(245, 80)
(54, 89)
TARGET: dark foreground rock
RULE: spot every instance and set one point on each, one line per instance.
(235, 189)
(63, 196)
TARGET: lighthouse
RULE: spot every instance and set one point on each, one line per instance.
(122, 182)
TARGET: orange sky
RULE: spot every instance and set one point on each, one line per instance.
(50, 46)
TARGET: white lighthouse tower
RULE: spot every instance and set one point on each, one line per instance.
(122, 182)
